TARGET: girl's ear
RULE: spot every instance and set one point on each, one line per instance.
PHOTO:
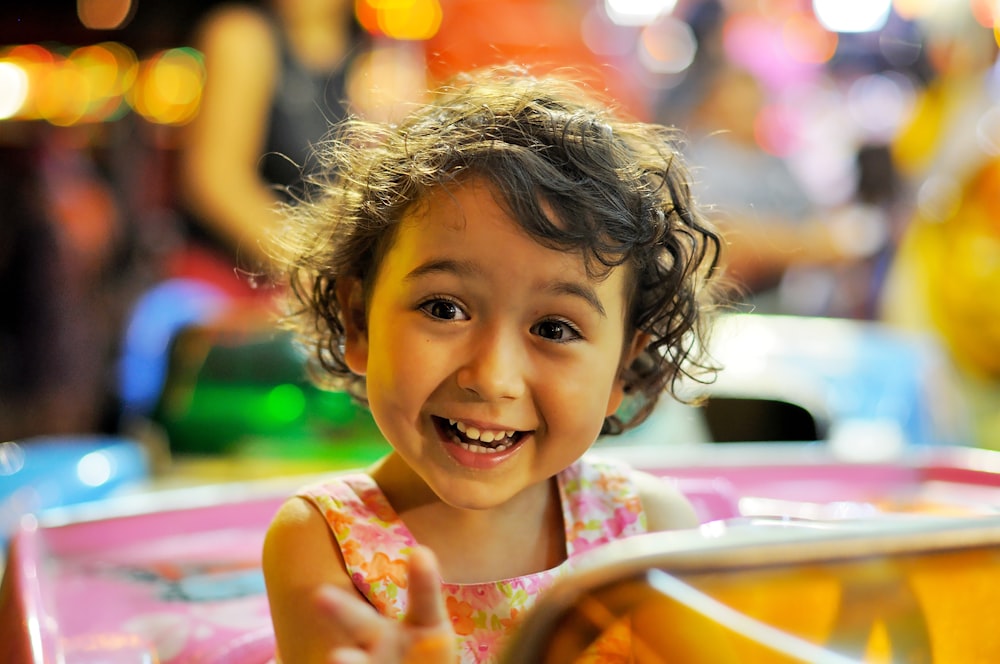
(350, 296)
(639, 343)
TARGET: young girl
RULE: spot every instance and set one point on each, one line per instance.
(502, 277)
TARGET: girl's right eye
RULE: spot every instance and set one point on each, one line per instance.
(443, 310)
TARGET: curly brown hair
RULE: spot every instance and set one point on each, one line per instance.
(618, 189)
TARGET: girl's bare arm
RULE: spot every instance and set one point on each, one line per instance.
(223, 145)
(299, 557)
(318, 614)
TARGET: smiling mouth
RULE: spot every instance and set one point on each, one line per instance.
(476, 440)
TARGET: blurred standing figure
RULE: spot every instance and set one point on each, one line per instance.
(276, 79)
(777, 233)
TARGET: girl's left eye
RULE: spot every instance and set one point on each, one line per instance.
(556, 330)
(442, 309)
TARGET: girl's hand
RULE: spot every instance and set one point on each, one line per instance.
(424, 635)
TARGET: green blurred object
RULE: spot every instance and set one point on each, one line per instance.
(244, 392)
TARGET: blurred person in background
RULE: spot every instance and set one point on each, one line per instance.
(779, 238)
(796, 245)
(278, 73)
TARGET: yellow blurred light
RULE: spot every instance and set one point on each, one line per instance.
(100, 67)
(13, 88)
(168, 89)
(371, 13)
(805, 40)
(389, 5)
(63, 94)
(128, 67)
(176, 78)
(87, 84)
(123, 55)
(409, 19)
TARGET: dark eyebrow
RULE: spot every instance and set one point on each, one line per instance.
(443, 265)
(469, 269)
(579, 290)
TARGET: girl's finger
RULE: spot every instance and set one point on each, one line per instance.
(426, 603)
(434, 639)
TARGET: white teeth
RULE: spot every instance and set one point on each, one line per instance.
(474, 433)
(479, 449)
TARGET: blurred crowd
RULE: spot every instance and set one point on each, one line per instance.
(855, 173)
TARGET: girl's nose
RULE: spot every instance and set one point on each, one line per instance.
(494, 368)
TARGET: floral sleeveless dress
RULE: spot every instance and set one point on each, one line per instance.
(600, 503)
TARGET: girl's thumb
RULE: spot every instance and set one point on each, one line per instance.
(426, 604)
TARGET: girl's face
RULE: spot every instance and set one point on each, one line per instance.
(491, 361)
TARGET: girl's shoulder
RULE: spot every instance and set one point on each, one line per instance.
(665, 506)
(354, 494)
(297, 560)
(298, 532)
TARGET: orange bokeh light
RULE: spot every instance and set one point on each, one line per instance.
(805, 40)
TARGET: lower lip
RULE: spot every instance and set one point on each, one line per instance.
(477, 460)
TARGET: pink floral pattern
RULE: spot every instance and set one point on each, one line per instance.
(600, 503)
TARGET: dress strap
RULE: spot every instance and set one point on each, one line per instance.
(600, 503)
(373, 540)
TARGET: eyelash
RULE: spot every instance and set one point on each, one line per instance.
(429, 303)
(573, 330)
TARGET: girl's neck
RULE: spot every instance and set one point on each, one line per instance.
(524, 536)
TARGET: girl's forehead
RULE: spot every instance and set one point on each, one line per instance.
(461, 207)
(456, 203)
(470, 206)
(463, 218)
(475, 207)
